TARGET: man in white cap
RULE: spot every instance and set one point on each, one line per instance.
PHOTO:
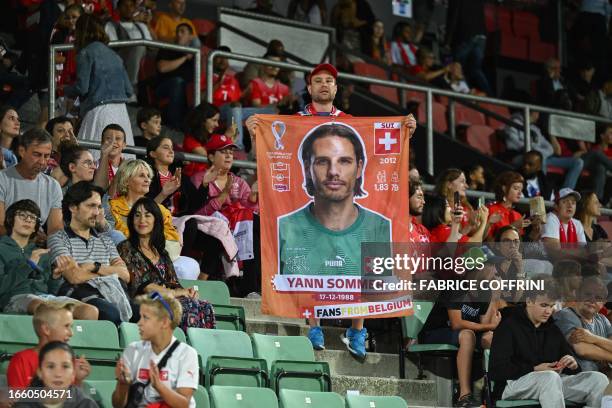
(561, 227)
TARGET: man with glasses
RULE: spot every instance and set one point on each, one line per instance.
(530, 358)
(26, 180)
(589, 332)
(26, 279)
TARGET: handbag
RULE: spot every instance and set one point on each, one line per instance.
(137, 389)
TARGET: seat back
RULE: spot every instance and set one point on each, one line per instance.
(226, 358)
(98, 341)
(242, 397)
(440, 121)
(128, 333)
(370, 70)
(499, 109)
(481, 137)
(386, 92)
(468, 116)
(309, 399)
(413, 324)
(367, 401)
(16, 333)
(215, 292)
(200, 396)
(272, 348)
(100, 391)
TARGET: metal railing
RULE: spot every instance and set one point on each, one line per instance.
(430, 92)
(197, 68)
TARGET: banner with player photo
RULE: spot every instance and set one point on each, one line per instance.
(328, 186)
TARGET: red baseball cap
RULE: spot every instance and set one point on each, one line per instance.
(218, 142)
(323, 67)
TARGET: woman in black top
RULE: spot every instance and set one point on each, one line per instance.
(587, 211)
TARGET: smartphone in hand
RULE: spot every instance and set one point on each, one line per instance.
(457, 203)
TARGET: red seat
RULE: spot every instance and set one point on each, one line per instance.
(369, 70)
(148, 68)
(513, 47)
(203, 27)
(541, 51)
(502, 110)
(440, 123)
(481, 138)
(526, 24)
(416, 96)
(386, 92)
(467, 116)
(490, 11)
(504, 20)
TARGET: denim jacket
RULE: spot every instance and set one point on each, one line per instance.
(101, 78)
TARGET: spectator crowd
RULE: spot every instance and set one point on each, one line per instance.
(98, 234)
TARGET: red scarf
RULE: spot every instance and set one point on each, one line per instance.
(408, 62)
(570, 236)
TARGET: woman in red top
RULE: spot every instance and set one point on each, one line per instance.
(444, 224)
(200, 124)
(376, 46)
(508, 191)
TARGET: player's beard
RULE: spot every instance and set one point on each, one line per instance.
(335, 196)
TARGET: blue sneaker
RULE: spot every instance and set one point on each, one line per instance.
(355, 341)
(315, 335)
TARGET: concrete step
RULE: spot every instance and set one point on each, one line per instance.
(258, 322)
(415, 392)
(375, 365)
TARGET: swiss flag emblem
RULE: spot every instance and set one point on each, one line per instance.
(163, 375)
(387, 138)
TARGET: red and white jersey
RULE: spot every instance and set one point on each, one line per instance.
(309, 110)
(268, 95)
(228, 91)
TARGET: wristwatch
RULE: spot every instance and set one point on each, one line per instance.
(96, 268)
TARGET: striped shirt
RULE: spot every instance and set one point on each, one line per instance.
(98, 248)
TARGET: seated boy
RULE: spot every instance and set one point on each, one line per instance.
(465, 320)
(52, 322)
(149, 121)
(529, 354)
(170, 382)
(25, 272)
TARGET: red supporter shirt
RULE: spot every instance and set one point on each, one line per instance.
(442, 232)
(228, 91)
(267, 95)
(418, 233)
(190, 143)
(508, 217)
(22, 368)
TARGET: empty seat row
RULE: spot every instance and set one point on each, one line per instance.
(248, 397)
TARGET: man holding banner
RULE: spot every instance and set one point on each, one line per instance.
(313, 254)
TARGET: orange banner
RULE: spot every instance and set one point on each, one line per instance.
(333, 195)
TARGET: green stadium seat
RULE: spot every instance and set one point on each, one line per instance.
(101, 392)
(291, 363)
(128, 333)
(201, 397)
(241, 397)
(411, 328)
(226, 358)
(309, 399)
(98, 341)
(228, 317)
(16, 334)
(367, 401)
(510, 403)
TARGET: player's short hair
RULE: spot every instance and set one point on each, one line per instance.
(332, 129)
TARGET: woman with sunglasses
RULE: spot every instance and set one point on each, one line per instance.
(160, 367)
(150, 266)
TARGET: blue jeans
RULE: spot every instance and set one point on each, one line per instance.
(174, 90)
(470, 55)
(572, 166)
(599, 164)
(107, 311)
